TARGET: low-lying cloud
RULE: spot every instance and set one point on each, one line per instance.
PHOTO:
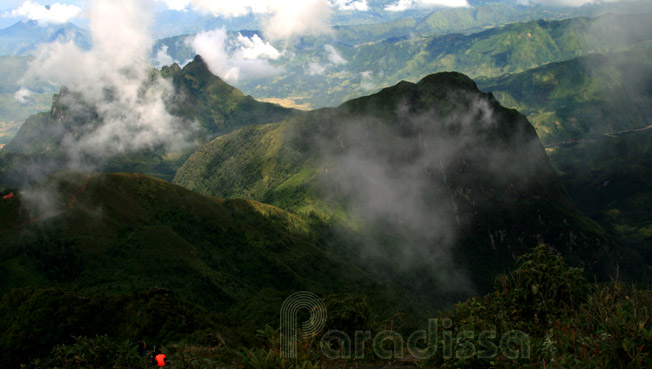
(235, 58)
(162, 57)
(300, 17)
(333, 59)
(115, 81)
(55, 13)
(359, 5)
(402, 5)
(22, 95)
(334, 56)
(416, 183)
(112, 103)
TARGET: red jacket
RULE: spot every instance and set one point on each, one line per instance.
(160, 359)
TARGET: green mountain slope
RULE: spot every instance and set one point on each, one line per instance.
(421, 169)
(510, 48)
(200, 98)
(585, 96)
(22, 38)
(218, 107)
(593, 112)
(609, 176)
(106, 245)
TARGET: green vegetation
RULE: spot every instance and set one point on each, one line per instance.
(390, 206)
(593, 112)
(569, 323)
(510, 48)
(217, 106)
(308, 163)
(550, 314)
(201, 98)
(583, 97)
(609, 177)
(139, 258)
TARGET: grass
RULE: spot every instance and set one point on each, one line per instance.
(130, 235)
(564, 322)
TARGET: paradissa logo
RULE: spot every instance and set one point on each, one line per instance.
(389, 344)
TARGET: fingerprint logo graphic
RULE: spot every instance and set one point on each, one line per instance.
(302, 300)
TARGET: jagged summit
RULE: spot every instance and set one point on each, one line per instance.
(198, 69)
(200, 97)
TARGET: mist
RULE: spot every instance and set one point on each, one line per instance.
(418, 182)
(112, 103)
(234, 58)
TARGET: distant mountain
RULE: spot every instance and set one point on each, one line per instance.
(594, 113)
(418, 169)
(171, 23)
(17, 100)
(445, 20)
(17, 42)
(200, 97)
(582, 97)
(24, 37)
(510, 48)
(382, 54)
(610, 178)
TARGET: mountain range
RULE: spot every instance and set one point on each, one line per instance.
(24, 37)
(584, 97)
(501, 50)
(200, 97)
(409, 189)
(118, 233)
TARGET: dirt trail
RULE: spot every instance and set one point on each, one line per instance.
(69, 206)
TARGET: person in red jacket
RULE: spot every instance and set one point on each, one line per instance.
(158, 358)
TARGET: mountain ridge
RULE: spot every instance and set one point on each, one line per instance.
(199, 97)
(442, 134)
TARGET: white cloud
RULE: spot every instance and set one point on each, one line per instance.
(162, 57)
(230, 8)
(402, 5)
(297, 17)
(571, 3)
(366, 80)
(256, 48)
(176, 4)
(55, 13)
(284, 18)
(334, 56)
(232, 60)
(244, 7)
(399, 6)
(334, 59)
(113, 79)
(21, 95)
(315, 69)
(359, 5)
